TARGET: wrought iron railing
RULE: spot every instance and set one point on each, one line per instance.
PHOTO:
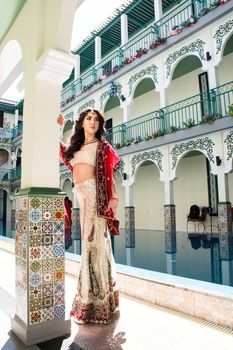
(170, 24)
(199, 109)
(7, 175)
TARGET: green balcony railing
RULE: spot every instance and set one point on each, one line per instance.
(6, 135)
(182, 16)
(7, 175)
(198, 109)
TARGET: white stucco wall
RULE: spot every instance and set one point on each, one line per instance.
(144, 104)
(225, 69)
(116, 114)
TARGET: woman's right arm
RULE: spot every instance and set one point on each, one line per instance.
(63, 147)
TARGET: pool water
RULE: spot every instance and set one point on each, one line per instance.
(197, 256)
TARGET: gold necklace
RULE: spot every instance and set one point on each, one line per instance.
(92, 141)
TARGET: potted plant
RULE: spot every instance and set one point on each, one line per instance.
(138, 139)
(230, 109)
(148, 137)
(190, 122)
(172, 129)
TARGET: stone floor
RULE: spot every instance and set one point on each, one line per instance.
(138, 325)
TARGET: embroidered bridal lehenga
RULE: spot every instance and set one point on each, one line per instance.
(97, 294)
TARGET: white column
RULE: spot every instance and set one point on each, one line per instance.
(77, 67)
(223, 187)
(126, 113)
(97, 49)
(129, 195)
(168, 192)
(163, 95)
(40, 168)
(158, 10)
(16, 117)
(213, 76)
(124, 29)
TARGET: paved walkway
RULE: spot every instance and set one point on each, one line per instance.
(137, 326)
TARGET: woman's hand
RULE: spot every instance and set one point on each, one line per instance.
(61, 120)
(113, 205)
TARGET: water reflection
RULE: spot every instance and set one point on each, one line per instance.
(197, 256)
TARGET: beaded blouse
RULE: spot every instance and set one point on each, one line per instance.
(87, 156)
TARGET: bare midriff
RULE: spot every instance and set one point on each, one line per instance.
(82, 172)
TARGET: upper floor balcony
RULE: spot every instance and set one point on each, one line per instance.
(201, 109)
(179, 19)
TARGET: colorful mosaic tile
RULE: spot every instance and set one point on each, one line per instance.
(35, 266)
(58, 227)
(48, 277)
(47, 302)
(36, 292)
(59, 238)
(48, 313)
(35, 203)
(58, 215)
(35, 253)
(59, 311)
(47, 227)
(59, 299)
(47, 215)
(35, 304)
(47, 252)
(35, 317)
(58, 250)
(47, 203)
(35, 279)
(34, 240)
(58, 203)
(59, 275)
(35, 215)
(47, 265)
(35, 227)
(59, 263)
(59, 288)
(47, 240)
(47, 289)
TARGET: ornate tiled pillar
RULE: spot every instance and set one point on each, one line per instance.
(170, 228)
(225, 231)
(40, 266)
(129, 218)
(169, 218)
(39, 235)
(76, 229)
(224, 217)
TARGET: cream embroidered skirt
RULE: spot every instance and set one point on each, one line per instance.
(97, 293)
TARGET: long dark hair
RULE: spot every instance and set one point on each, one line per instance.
(78, 138)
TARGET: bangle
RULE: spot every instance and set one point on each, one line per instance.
(115, 198)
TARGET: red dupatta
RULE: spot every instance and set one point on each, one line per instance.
(106, 160)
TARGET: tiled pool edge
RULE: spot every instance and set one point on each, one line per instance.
(200, 299)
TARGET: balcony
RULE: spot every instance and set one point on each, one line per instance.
(184, 15)
(200, 109)
(8, 175)
(7, 135)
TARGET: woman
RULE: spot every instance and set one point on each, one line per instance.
(92, 161)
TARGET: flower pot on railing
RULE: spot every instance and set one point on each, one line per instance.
(230, 109)
(210, 118)
(189, 123)
(148, 137)
(157, 133)
(172, 129)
